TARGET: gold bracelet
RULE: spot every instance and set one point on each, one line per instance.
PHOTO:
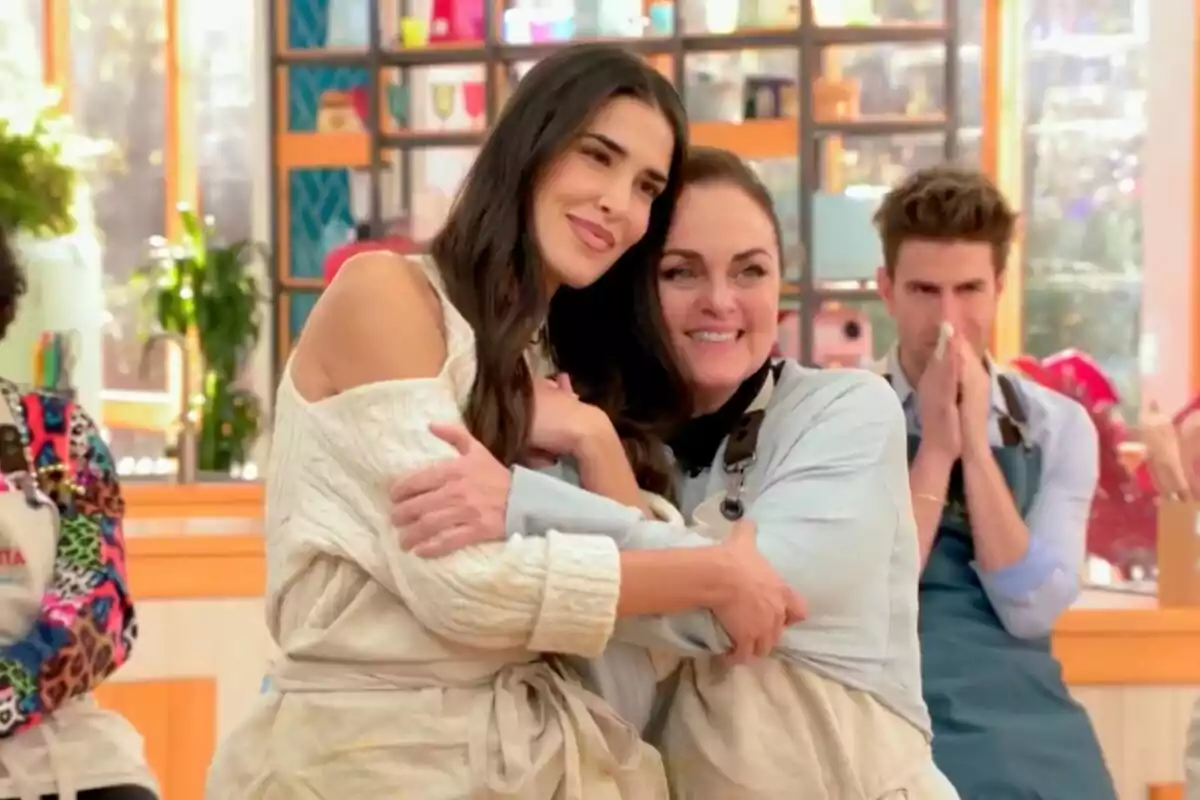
(933, 498)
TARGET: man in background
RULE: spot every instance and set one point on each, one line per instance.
(1002, 474)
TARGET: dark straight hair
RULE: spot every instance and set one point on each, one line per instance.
(486, 252)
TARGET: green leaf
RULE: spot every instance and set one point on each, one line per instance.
(200, 284)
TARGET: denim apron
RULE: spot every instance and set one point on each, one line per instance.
(1004, 725)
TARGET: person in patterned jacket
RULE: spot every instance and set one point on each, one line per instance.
(66, 617)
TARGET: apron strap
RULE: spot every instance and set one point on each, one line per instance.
(1014, 425)
(742, 446)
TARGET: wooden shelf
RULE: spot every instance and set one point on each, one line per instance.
(750, 139)
(161, 500)
(761, 138)
(316, 150)
(753, 139)
(745, 38)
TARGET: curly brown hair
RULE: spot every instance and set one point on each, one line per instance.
(12, 282)
(946, 204)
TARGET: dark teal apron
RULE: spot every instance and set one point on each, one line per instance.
(1004, 725)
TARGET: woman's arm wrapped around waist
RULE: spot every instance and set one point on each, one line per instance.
(828, 507)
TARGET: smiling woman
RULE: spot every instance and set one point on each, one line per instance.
(601, 154)
(816, 459)
(595, 203)
(592, 142)
(720, 294)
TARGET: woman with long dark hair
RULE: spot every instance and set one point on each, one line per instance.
(401, 676)
(815, 457)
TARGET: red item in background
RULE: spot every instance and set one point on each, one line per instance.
(338, 256)
(1123, 525)
(1095, 387)
(358, 98)
(456, 21)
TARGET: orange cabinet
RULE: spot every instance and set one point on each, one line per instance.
(177, 718)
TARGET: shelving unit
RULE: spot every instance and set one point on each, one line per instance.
(357, 137)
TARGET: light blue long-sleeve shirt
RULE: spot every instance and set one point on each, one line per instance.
(1031, 594)
(829, 495)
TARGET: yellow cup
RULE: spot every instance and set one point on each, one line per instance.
(413, 32)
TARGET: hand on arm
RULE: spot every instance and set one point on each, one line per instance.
(827, 516)
(86, 627)
(454, 503)
(831, 506)
(751, 620)
(732, 579)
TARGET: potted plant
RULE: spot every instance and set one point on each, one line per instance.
(202, 291)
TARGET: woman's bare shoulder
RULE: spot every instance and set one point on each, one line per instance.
(379, 320)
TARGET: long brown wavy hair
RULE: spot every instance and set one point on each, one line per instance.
(487, 253)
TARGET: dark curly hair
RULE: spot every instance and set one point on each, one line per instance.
(12, 283)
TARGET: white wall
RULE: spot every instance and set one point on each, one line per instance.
(1168, 210)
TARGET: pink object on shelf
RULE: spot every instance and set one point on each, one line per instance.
(456, 21)
(788, 345)
(841, 337)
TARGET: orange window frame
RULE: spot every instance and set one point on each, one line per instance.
(1002, 151)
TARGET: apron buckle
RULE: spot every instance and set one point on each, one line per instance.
(732, 506)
